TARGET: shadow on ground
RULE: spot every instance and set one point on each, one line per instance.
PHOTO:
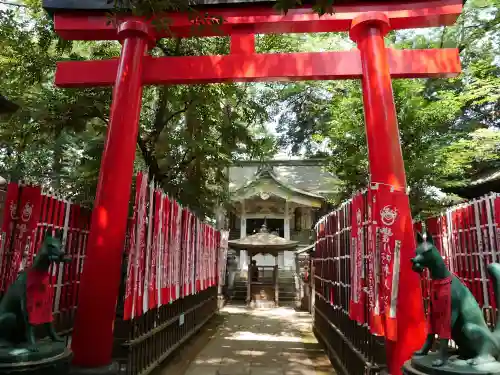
(241, 341)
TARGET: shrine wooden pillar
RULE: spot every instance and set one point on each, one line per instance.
(387, 167)
(249, 277)
(243, 233)
(92, 342)
(276, 280)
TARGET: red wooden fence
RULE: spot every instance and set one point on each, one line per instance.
(172, 254)
(467, 235)
(28, 213)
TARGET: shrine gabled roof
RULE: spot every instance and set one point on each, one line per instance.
(302, 176)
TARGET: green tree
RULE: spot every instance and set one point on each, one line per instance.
(439, 119)
(188, 134)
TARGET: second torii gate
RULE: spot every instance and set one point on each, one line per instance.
(371, 62)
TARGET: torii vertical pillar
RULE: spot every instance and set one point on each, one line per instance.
(387, 167)
(93, 339)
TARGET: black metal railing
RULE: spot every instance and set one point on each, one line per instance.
(145, 342)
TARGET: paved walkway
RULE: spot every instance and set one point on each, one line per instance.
(258, 342)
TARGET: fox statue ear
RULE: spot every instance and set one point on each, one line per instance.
(428, 238)
(58, 234)
(420, 238)
(48, 232)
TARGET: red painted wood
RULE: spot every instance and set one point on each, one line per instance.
(407, 329)
(242, 44)
(92, 342)
(93, 338)
(260, 67)
(265, 20)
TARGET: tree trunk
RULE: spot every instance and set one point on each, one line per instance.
(57, 160)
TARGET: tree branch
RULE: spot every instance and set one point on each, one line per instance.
(160, 125)
(149, 158)
(160, 120)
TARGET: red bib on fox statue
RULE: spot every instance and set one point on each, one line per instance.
(440, 309)
(39, 297)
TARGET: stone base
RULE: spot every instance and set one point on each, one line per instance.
(52, 358)
(112, 369)
(221, 302)
(422, 365)
(262, 304)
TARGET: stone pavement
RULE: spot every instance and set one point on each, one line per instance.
(261, 342)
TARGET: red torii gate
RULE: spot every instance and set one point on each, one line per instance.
(372, 62)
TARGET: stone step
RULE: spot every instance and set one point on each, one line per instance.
(290, 291)
(268, 280)
(240, 296)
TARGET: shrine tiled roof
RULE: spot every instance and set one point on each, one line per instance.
(297, 175)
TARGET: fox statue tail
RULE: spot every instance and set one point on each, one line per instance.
(494, 271)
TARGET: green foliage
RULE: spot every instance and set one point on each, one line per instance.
(448, 127)
(189, 134)
(46, 140)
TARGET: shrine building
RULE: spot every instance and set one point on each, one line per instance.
(287, 196)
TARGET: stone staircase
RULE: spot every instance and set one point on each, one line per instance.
(287, 288)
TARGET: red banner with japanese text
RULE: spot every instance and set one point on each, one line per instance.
(213, 259)
(217, 251)
(210, 255)
(25, 230)
(6, 236)
(331, 256)
(185, 251)
(174, 271)
(128, 310)
(206, 260)
(155, 250)
(166, 263)
(199, 253)
(375, 320)
(203, 260)
(357, 303)
(140, 245)
(191, 259)
(148, 248)
(496, 214)
(130, 280)
(393, 225)
(176, 249)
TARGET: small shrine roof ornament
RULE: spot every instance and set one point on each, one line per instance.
(263, 241)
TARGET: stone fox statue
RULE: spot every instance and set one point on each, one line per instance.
(28, 301)
(454, 312)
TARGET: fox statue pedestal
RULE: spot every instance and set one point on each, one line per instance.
(52, 358)
(420, 365)
(26, 305)
(454, 314)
